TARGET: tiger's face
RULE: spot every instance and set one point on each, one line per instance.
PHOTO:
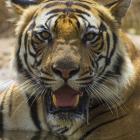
(70, 55)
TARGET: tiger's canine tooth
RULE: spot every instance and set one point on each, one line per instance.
(54, 99)
(77, 100)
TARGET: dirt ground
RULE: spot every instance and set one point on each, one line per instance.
(7, 49)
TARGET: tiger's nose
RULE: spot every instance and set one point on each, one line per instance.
(65, 72)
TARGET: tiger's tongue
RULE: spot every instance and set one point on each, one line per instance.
(66, 97)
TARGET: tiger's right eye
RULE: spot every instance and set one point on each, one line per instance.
(45, 35)
(41, 37)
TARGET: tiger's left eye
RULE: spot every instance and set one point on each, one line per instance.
(90, 36)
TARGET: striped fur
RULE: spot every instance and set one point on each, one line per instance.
(82, 34)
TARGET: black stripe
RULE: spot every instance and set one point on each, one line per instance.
(103, 28)
(86, 1)
(96, 64)
(48, 5)
(37, 62)
(115, 40)
(45, 72)
(52, 16)
(101, 45)
(56, 10)
(19, 64)
(25, 2)
(30, 52)
(108, 47)
(100, 57)
(25, 58)
(83, 74)
(107, 57)
(46, 79)
(85, 78)
(63, 130)
(81, 16)
(31, 41)
(82, 5)
(26, 40)
(31, 47)
(33, 110)
(18, 60)
(81, 12)
(117, 67)
(100, 125)
(26, 51)
(84, 19)
(111, 3)
(10, 104)
(70, 1)
(1, 114)
(66, 10)
(54, 0)
(101, 78)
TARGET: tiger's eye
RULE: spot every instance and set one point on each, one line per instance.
(45, 35)
(90, 36)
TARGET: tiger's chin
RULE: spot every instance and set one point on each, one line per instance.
(61, 124)
(66, 110)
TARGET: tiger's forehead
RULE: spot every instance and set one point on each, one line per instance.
(51, 11)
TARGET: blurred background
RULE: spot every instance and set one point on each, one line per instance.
(131, 25)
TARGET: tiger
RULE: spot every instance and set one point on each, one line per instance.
(77, 72)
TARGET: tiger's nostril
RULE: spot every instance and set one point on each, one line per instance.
(74, 71)
(65, 73)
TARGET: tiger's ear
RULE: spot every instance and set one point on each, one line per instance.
(119, 8)
(18, 6)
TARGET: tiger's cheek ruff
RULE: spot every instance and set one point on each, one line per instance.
(110, 72)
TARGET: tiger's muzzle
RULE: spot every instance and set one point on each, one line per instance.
(65, 98)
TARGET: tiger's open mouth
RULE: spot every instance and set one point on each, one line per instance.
(66, 99)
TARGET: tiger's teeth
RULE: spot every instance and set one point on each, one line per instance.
(54, 100)
(77, 100)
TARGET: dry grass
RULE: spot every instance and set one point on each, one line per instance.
(6, 27)
(131, 22)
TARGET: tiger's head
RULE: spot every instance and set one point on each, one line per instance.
(70, 52)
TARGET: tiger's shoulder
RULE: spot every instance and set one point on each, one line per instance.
(14, 108)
